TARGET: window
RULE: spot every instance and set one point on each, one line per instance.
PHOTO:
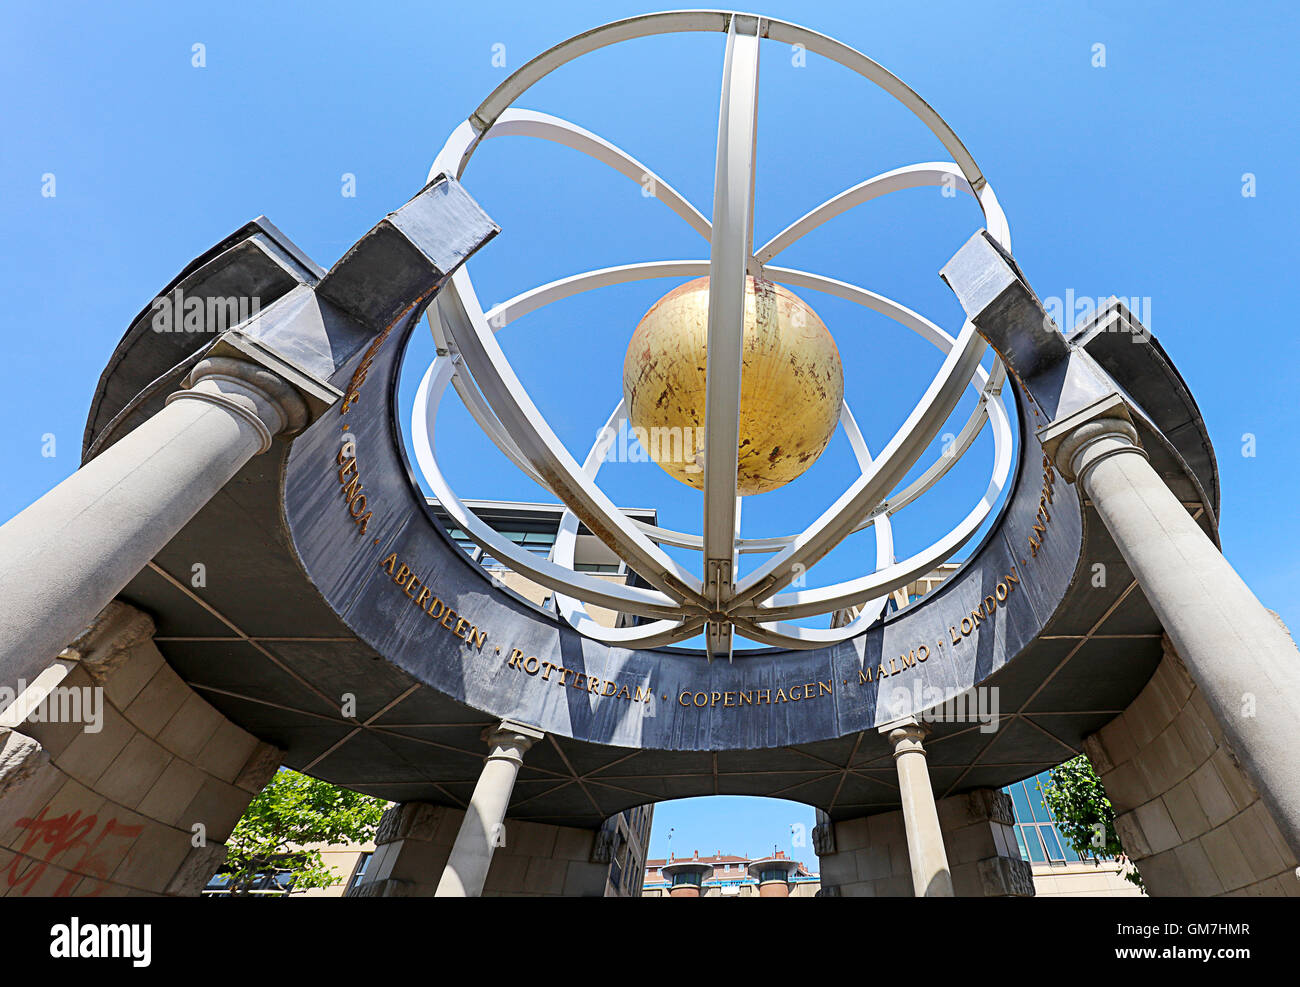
(1036, 834)
(360, 872)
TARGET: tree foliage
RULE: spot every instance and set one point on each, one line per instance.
(1083, 814)
(280, 826)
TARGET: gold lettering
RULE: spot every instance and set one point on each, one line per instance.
(535, 666)
(477, 637)
(389, 562)
(515, 655)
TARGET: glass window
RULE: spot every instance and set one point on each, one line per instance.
(1035, 845)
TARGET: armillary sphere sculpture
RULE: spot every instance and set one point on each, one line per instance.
(681, 603)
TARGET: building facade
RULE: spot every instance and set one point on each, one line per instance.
(729, 876)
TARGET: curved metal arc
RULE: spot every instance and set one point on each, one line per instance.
(515, 410)
(543, 126)
(922, 175)
(503, 314)
(423, 432)
(907, 445)
(468, 135)
(652, 635)
(807, 603)
(729, 259)
(681, 21)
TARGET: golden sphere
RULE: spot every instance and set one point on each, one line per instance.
(791, 385)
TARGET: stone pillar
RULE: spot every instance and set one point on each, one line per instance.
(929, 861)
(116, 778)
(483, 828)
(1235, 650)
(67, 555)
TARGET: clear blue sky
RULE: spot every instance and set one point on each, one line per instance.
(1125, 179)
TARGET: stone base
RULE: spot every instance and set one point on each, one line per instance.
(537, 860)
(1188, 816)
(140, 806)
(869, 855)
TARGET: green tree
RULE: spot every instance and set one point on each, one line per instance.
(1083, 814)
(287, 816)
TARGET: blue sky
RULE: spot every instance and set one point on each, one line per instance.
(1125, 179)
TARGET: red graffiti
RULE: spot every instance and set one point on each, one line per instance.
(65, 841)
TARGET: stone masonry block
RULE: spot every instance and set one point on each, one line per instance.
(218, 806)
(1229, 863)
(158, 701)
(196, 870)
(1003, 877)
(226, 752)
(260, 768)
(134, 771)
(190, 728)
(1185, 811)
(172, 793)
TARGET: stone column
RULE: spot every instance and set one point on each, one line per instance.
(1236, 651)
(930, 876)
(67, 555)
(482, 830)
